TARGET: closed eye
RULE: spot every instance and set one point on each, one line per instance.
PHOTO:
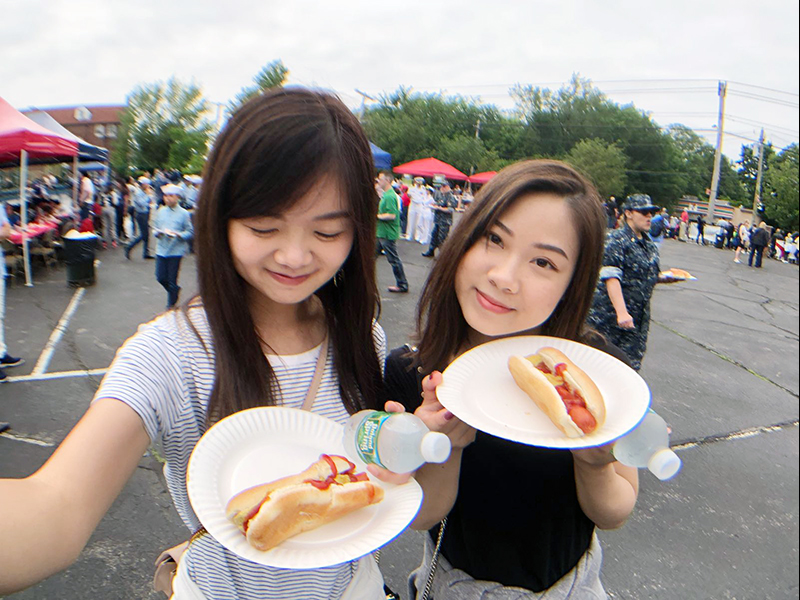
(328, 236)
(262, 231)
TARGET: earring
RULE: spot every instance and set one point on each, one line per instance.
(338, 279)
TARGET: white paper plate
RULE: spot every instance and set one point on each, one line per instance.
(259, 445)
(478, 388)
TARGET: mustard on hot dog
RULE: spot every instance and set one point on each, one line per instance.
(561, 390)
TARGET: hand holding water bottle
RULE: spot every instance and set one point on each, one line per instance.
(397, 441)
(648, 446)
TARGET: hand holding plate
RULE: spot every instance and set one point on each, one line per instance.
(597, 456)
(438, 418)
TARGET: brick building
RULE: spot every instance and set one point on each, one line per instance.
(97, 125)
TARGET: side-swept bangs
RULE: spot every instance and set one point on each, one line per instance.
(441, 328)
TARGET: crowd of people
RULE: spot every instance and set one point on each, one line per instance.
(286, 237)
(428, 210)
(775, 243)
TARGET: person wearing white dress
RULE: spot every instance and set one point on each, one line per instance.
(416, 209)
(425, 227)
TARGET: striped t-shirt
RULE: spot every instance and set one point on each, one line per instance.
(164, 373)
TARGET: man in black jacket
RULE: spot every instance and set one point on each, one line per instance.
(759, 240)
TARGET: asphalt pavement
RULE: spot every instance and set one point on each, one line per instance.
(722, 364)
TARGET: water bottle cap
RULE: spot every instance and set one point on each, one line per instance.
(435, 447)
(664, 464)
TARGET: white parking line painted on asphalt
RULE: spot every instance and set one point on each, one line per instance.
(59, 375)
(50, 347)
(735, 435)
(27, 440)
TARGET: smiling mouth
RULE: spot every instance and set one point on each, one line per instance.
(492, 305)
(289, 279)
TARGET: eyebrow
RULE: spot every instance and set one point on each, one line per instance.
(340, 214)
(550, 247)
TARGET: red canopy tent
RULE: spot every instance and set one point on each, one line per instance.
(20, 139)
(18, 133)
(428, 167)
(482, 177)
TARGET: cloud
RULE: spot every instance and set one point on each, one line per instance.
(94, 51)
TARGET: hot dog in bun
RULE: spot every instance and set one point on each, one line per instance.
(330, 488)
(564, 393)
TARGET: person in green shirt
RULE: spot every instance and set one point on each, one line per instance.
(388, 230)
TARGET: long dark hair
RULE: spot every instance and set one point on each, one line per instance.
(272, 152)
(441, 327)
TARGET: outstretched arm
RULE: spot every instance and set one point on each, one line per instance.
(607, 490)
(52, 513)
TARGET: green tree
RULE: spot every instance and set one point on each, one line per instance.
(748, 169)
(273, 74)
(782, 203)
(604, 164)
(163, 127)
(696, 164)
(122, 150)
(457, 130)
(578, 111)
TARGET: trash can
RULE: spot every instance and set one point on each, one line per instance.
(719, 240)
(79, 254)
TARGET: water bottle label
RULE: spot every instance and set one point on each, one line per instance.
(367, 437)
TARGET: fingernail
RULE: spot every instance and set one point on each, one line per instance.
(448, 415)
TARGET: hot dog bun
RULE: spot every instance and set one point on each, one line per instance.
(242, 503)
(544, 393)
(270, 513)
(680, 273)
(303, 507)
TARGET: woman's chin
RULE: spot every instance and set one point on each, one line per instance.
(484, 332)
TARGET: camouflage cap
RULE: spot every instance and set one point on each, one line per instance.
(639, 202)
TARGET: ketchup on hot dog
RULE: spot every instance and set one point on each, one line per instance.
(575, 405)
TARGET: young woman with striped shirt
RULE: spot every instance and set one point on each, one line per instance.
(285, 242)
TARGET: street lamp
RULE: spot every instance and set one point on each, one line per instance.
(364, 98)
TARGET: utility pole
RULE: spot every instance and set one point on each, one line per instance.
(477, 137)
(723, 88)
(757, 195)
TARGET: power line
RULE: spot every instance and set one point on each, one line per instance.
(712, 83)
(548, 83)
(684, 114)
(761, 87)
(764, 98)
(760, 124)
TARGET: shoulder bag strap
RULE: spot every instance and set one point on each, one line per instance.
(311, 395)
(434, 561)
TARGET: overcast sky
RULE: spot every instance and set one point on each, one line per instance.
(665, 57)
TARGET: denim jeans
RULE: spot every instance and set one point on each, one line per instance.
(143, 220)
(167, 268)
(389, 247)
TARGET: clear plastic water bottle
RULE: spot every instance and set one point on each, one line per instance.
(400, 442)
(648, 446)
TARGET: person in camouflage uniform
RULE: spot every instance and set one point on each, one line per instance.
(621, 304)
(443, 208)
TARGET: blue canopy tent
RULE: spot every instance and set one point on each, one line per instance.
(382, 159)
